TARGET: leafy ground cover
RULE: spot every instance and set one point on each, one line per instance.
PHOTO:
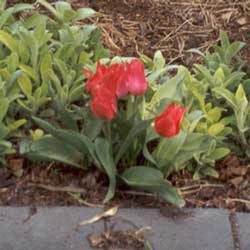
(50, 86)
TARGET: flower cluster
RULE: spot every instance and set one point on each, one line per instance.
(110, 83)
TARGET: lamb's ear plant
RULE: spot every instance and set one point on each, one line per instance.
(42, 57)
(239, 105)
(226, 54)
(8, 129)
(64, 14)
(7, 18)
(228, 88)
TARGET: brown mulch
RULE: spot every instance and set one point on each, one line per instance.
(134, 27)
(60, 185)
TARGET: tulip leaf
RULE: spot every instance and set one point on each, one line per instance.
(169, 148)
(134, 132)
(103, 151)
(93, 127)
(151, 180)
(80, 142)
(151, 135)
(49, 148)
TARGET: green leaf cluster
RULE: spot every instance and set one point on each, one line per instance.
(41, 60)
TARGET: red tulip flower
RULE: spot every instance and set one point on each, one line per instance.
(168, 123)
(133, 81)
(94, 79)
(121, 79)
(112, 82)
(108, 77)
(104, 104)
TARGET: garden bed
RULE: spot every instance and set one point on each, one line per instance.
(130, 30)
(55, 185)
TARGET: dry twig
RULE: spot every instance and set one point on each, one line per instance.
(58, 189)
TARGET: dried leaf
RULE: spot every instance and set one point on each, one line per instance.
(16, 165)
(237, 181)
(241, 20)
(226, 16)
(108, 213)
(96, 240)
(240, 171)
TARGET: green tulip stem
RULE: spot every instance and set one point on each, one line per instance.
(130, 106)
(109, 133)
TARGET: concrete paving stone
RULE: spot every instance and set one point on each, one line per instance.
(54, 228)
(244, 230)
(206, 229)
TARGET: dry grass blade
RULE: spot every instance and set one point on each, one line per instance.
(3, 190)
(199, 186)
(58, 189)
(237, 200)
(142, 230)
(109, 213)
(85, 203)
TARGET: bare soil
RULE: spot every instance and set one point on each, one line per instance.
(57, 185)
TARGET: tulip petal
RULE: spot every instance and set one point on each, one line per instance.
(87, 73)
(137, 83)
(168, 123)
(165, 127)
(104, 104)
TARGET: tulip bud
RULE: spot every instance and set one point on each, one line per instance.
(168, 123)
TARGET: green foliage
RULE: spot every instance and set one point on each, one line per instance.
(225, 54)
(202, 140)
(40, 65)
(104, 154)
(150, 179)
(227, 88)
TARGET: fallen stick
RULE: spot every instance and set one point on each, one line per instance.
(58, 189)
(237, 200)
(108, 213)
